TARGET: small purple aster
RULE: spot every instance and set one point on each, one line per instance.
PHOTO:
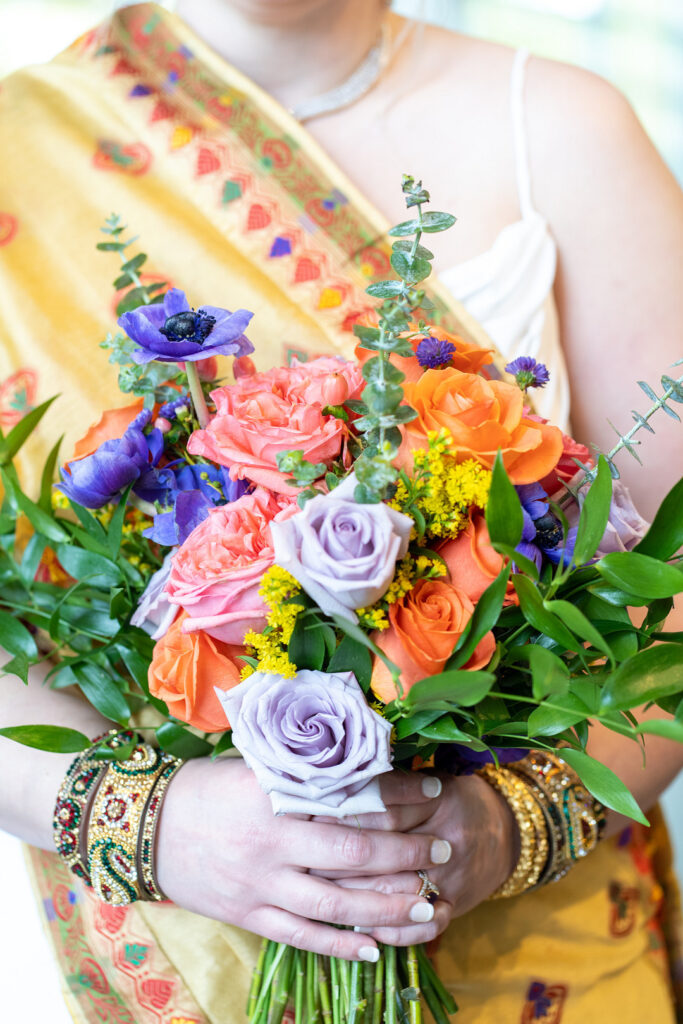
(528, 373)
(432, 354)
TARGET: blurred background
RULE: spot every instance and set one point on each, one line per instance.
(636, 44)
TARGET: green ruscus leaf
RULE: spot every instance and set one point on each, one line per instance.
(503, 509)
(54, 738)
(603, 784)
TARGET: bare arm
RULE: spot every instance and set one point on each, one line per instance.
(31, 778)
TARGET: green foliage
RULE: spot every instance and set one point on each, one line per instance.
(176, 739)
(504, 517)
(351, 656)
(54, 738)
(604, 784)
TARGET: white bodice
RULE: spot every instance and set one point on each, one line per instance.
(509, 288)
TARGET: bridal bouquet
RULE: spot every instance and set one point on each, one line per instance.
(340, 568)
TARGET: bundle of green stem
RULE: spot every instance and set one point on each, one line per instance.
(326, 990)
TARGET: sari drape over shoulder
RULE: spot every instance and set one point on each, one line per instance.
(235, 203)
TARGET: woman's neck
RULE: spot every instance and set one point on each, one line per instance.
(294, 49)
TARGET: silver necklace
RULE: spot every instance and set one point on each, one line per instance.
(359, 82)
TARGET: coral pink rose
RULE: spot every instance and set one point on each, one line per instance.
(426, 624)
(472, 562)
(281, 410)
(216, 574)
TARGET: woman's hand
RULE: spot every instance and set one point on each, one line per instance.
(481, 830)
(221, 852)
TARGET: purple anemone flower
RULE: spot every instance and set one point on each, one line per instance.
(528, 372)
(196, 490)
(100, 478)
(542, 530)
(432, 353)
(173, 332)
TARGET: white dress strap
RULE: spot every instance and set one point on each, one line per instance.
(517, 79)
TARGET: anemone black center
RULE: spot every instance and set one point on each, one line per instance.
(548, 531)
(188, 326)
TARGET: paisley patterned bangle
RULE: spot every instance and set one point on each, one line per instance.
(73, 798)
(115, 822)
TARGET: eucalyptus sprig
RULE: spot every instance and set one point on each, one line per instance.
(672, 390)
(139, 294)
(381, 408)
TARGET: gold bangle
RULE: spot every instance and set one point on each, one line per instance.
(114, 826)
(532, 830)
(73, 798)
(151, 889)
(582, 817)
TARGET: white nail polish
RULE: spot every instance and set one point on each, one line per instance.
(441, 851)
(369, 953)
(431, 786)
(420, 913)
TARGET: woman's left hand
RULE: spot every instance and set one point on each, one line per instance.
(481, 829)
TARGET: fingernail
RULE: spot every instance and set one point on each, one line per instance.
(420, 913)
(441, 851)
(431, 786)
(370, 953)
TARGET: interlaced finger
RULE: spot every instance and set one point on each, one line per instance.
(326, 901)
(338, 849)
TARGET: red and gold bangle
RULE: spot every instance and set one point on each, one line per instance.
(114, 826)
(73, 799)
(148, 830)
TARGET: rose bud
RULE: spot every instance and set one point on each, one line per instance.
(243, 366)
(335, 389)
(162, 424)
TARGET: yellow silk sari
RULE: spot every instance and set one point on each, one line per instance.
(238, 206)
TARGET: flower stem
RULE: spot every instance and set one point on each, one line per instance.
(198, 400)
(378, 1004)
(264, 994)
(299, 988)
(257, 978)
(336, 994)
(324, 991)
(390, 986)
(414, 1008)
(281, 987)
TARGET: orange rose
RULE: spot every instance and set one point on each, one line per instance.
(472, 562)
(186, 667)
(482, 416)
(426, 624)
(467, 357)
(112, 423)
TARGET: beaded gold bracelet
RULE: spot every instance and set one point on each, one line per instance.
(532, 830)
(148, 829)
(580, 816)
(115, 820)
(73, 798)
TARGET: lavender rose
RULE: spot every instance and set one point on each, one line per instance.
(343, 554)
(625, 525)
(155, 613)
(312, 741)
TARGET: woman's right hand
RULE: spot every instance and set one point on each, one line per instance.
(221, 852)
